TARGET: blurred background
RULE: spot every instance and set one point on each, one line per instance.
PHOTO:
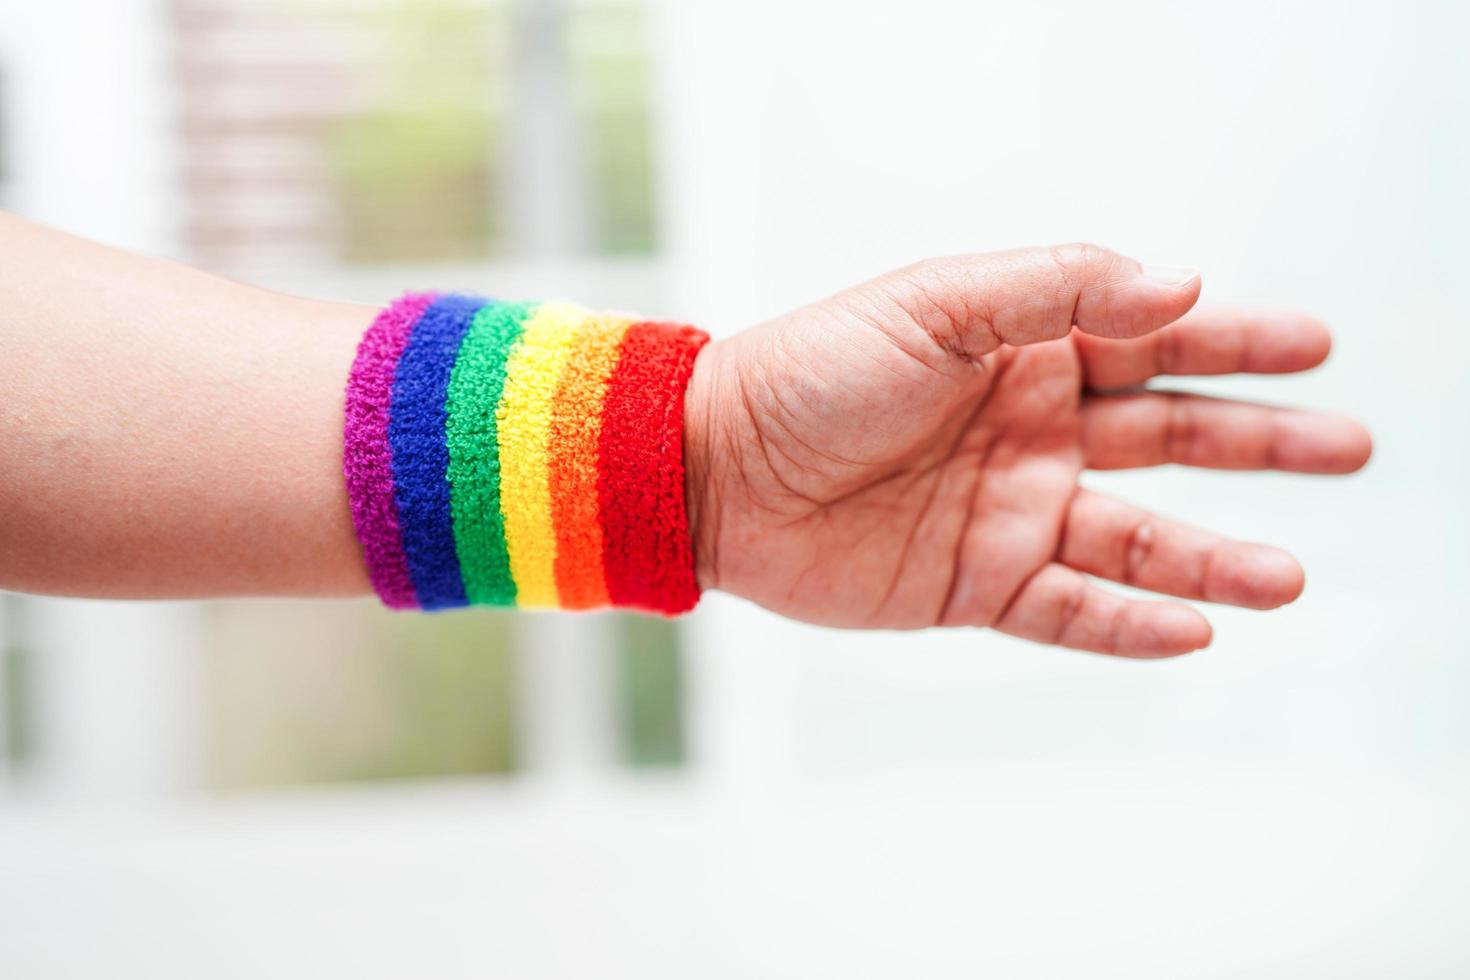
(264, 788)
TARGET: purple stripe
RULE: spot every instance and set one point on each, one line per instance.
(366, 458)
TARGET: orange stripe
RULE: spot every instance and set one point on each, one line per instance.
(576, 425)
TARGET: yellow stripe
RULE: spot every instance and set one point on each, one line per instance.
(523, 422)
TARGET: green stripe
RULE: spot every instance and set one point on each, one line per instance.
(475, 386)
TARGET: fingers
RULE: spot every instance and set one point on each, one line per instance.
(1117, 541)
(1061, 606)
(1113, 540)
(968, 305)
(1152, 428)
(1209, 340)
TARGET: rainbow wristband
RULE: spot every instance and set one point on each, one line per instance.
(525, 454)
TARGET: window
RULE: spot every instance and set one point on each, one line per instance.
(343, 142)
(367, 132)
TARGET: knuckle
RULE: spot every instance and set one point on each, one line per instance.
(1169, 352)
(1180, 430)
(1069, 611)
(1084, 273)
(1137, 549)
(1080, 261)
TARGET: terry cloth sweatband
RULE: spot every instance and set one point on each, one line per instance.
(520, 454)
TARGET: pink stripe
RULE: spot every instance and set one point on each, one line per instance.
(366, 459)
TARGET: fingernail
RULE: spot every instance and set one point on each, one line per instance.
(1170, 275)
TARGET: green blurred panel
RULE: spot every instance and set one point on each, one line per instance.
(18, 737)
(607, 62)
(325, 692)
(651, 690)
(17, 685)
(416, 158)
(414, 166)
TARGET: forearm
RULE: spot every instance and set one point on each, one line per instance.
(167, 433)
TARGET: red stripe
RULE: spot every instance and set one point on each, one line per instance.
(647, 557)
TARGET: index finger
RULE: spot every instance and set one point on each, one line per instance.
(1216, 339)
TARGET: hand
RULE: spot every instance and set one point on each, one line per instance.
(907, 453)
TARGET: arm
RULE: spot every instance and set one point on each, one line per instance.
(905, 454)
(167, 433)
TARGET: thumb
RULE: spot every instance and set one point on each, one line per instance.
(971, 304)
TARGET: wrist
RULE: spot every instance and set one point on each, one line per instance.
(701, 497)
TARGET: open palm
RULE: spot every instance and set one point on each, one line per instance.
(907, 453)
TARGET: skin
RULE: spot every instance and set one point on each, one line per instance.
(902, 455)
(907, 453)
(167, 433)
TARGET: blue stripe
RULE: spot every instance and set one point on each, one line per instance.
(416, 418)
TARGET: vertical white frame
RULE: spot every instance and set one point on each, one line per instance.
(116, 698)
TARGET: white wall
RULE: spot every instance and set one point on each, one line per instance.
(1304, 154)
(89, 106)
